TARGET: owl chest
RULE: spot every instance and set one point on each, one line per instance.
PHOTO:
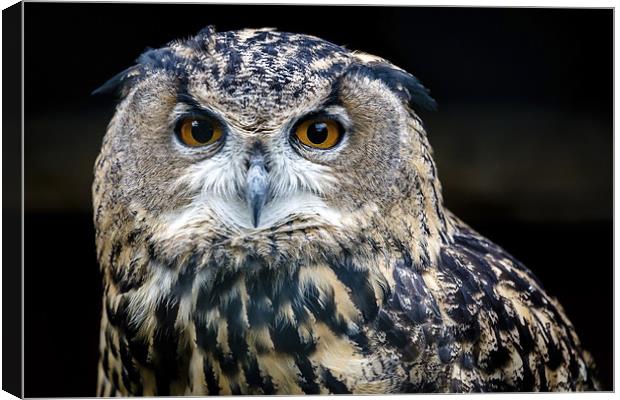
(329, 365)
(303, 336)
(251, 345)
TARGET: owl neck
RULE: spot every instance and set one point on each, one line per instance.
(415, 219)
(417, 225)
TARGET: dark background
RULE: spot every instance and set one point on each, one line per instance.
(523, 140)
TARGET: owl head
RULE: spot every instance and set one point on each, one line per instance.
(234, 137)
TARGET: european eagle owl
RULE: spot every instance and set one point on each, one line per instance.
(269, 220)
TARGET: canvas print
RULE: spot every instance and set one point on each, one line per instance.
(259, 204)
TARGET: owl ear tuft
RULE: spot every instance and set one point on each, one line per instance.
(164, 59)
(405, 85)
(121, 82)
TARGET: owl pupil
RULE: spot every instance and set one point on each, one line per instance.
(202, 131)
(317, 132)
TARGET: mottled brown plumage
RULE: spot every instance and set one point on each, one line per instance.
(353, 279)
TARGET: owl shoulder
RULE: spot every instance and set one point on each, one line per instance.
(488, 322)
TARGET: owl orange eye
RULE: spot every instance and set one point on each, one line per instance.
(319, 133)
(199, 132)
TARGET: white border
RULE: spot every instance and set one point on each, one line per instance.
(496, 3)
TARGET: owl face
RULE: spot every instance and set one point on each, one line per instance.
(253, 131)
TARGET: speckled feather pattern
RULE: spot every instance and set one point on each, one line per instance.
(367, 284)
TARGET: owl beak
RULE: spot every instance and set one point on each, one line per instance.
(257, 186)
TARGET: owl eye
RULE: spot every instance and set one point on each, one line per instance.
(195, 132)
(319, 133)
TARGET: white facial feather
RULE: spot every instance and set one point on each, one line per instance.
(276, 212)
(216, 187)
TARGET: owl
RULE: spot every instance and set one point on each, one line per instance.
(269, 220)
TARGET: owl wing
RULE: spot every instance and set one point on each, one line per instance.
(480, 321)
